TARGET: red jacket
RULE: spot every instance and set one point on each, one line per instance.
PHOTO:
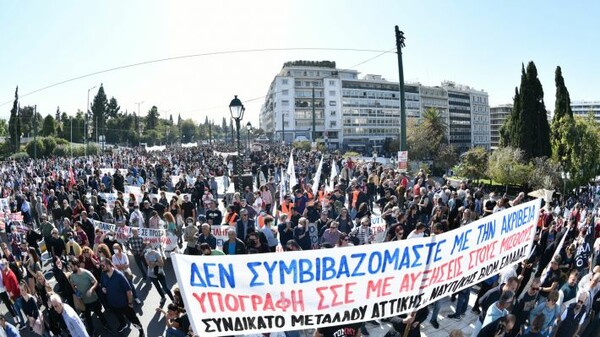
(11, 284)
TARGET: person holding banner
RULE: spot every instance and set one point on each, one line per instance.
(408, 325)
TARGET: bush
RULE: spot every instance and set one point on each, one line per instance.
(301, 145)
(61, 141)
(35, 148)
(49, 146)
(351, 154)
(19, 156)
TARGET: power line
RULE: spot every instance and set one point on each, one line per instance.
(240, 51)
(262, 97)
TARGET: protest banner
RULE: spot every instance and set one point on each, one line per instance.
(261, 293)
(402, 161)
(122, 233)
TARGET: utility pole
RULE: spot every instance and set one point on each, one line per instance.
(314, 122)
(34, 122)
(282, 128)
(210, 133)
(139, 124)
(86, 126)
(399, 46)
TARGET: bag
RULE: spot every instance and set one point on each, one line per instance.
(128, 274)
(78, 303)
(37, 325)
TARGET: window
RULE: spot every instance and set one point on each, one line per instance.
(284, 81)
(332, 113)
(332, 124)
(331, 92)
(285, 92)
(331, 82)
(332, 103)
(286, 124)
(285, 103)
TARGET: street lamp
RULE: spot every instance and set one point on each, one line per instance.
(236, 108)
(248, 129)
(87, 113)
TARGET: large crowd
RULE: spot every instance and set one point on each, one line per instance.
(51, 208)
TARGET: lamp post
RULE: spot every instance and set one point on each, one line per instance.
(87, 127)
(248, 129)
(236, 108)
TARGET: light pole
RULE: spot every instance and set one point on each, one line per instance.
(236, 108)
(248, 129)
(139, 124)
(87, 127)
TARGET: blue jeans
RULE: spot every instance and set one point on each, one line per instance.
(18, 305)
(435, 311)
(172, 332)
(462, 301)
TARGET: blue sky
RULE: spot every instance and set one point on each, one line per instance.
(477, 43)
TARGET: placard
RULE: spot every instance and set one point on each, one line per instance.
(300, 290)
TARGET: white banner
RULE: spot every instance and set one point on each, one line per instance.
(152, 236)
(260, 293)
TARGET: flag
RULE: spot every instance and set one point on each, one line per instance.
(282, 188)
(315, 186)
(71, 177)
(332, 175)
(291, 171)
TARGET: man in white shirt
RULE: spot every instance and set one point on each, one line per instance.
(136, 219)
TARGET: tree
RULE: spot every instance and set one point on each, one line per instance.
(113, 108)
(584, 164)
(507, 166)
(545, 174)
(188, 131)
(473, 163)
(563, 123)
(424, 138)
(3, 128)
(445, 158)
(527, 125)
(99, 112)
(14, 124)
(48, 126)
(152, 118)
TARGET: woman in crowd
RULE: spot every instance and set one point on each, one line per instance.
(32, 266)
(31, 310)
(344, 221)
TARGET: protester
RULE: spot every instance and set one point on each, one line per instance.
(119, 296)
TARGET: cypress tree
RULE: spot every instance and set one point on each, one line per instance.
(540, 129)
(562, 122)
(14, 124)
(530, 131)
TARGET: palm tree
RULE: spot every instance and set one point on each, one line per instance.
(433, 123)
